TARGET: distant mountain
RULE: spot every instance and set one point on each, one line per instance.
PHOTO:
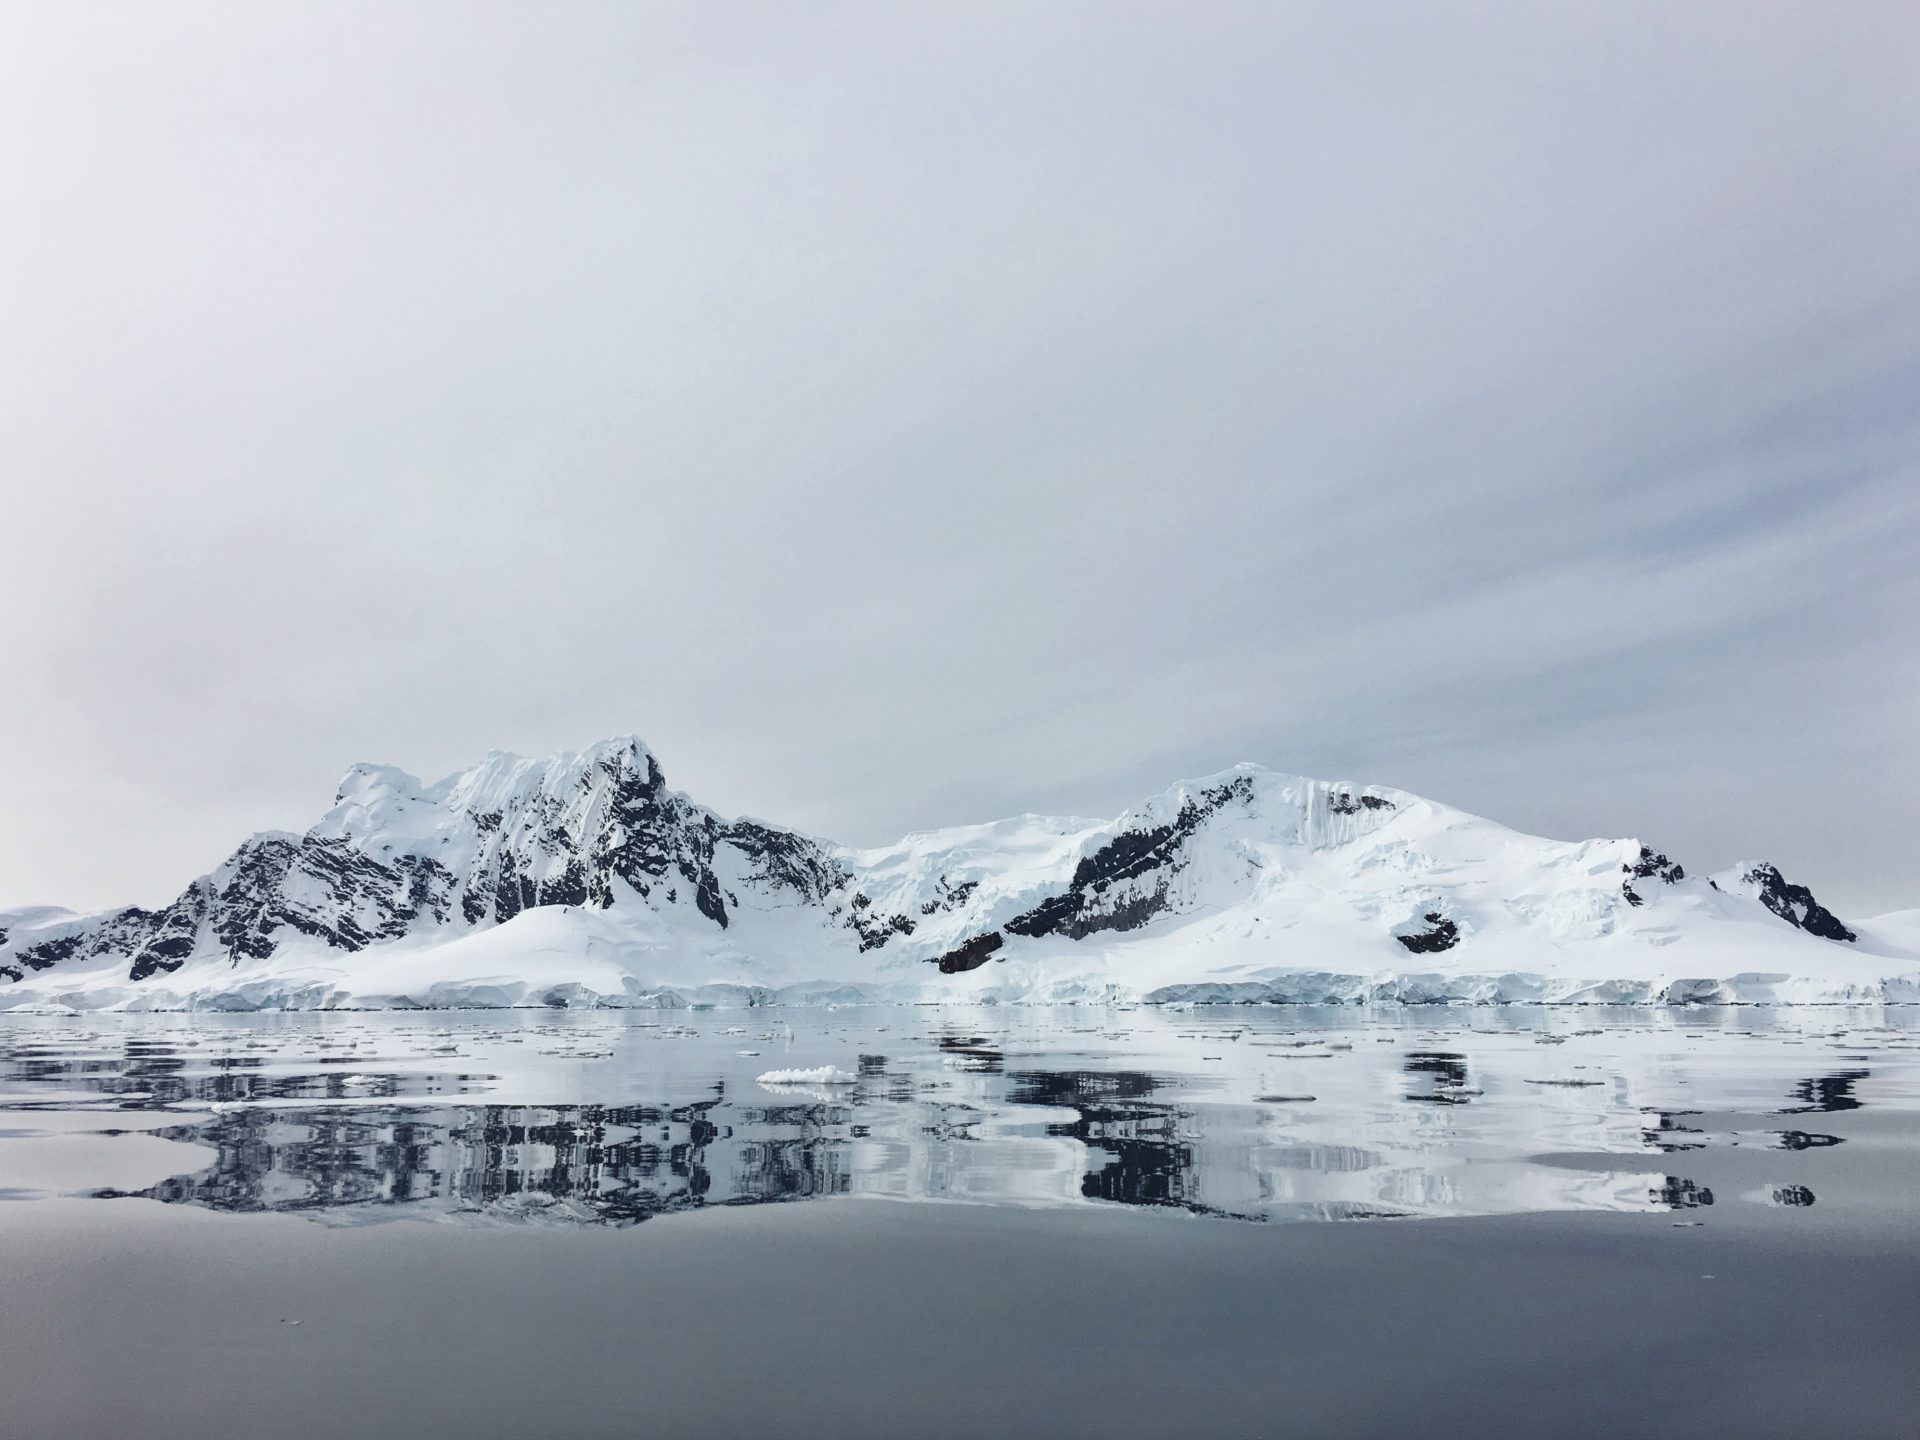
(583, 879)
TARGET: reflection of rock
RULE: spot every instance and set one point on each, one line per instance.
(1447, 1072)
(600, 1162)
(1134, 1155)
(1801, 1140)
(1827, 1092)
(972, 1105)
(1665, 1126)
(620, 1164)
(1678, 1194)
(981, 1052)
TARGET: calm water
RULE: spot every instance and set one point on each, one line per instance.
(1250, 1114)
(1663, 1186)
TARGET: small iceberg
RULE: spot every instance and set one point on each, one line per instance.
(819, 1075)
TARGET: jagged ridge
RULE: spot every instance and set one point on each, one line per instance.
(1231, 881)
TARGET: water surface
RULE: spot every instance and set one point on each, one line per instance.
(1557, 1221)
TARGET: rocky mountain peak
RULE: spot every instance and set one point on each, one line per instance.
(1256, 869)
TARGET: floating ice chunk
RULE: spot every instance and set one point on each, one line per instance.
(819, 1075)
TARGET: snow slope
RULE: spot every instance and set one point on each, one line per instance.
(582, 879)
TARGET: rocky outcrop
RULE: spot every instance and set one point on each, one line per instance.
(659, 896)
(1650, 866)
(971, 955)
(536, 836)
(1436, 934)
(1123, 884)
(1343, 802)
(1794, 903)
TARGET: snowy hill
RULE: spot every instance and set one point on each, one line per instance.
(584, 879)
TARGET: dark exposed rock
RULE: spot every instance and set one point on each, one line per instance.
(367, 901)
(517, 838)
(970, 955)
(172, 933)
(1795, 904)
(707, 897)
(781, 858)
(1053, 914)
(615, 824)
(49, 953)
(1440, 934)
(1084, 908)
(539, 849)
(1650, 866)
(873, 928)
(1342, 802)
(949, 896)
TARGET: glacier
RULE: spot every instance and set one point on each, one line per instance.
(583, 880)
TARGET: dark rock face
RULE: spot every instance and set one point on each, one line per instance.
(511, 836)
(1091, 903)
(49, 953)
(173, 932)
(543, 847)
(1650, 866)
(873, 928)
(1108, 889)
(1343, 803)
(1795, 904)
(782, 860)
(972, 954)
(153, 941)
(1086, 907)
(366, 901)
(1440, 934)
(949, 896)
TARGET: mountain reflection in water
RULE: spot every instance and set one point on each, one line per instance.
(1257, 1116)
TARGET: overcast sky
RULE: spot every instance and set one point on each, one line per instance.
(907, 414)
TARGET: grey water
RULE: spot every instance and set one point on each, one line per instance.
(1226, 1221)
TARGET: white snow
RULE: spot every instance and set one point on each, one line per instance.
(818, 1075)
(1294, 890)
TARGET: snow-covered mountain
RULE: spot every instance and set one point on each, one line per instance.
(584, 879)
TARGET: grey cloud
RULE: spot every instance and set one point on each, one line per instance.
(905, 416)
